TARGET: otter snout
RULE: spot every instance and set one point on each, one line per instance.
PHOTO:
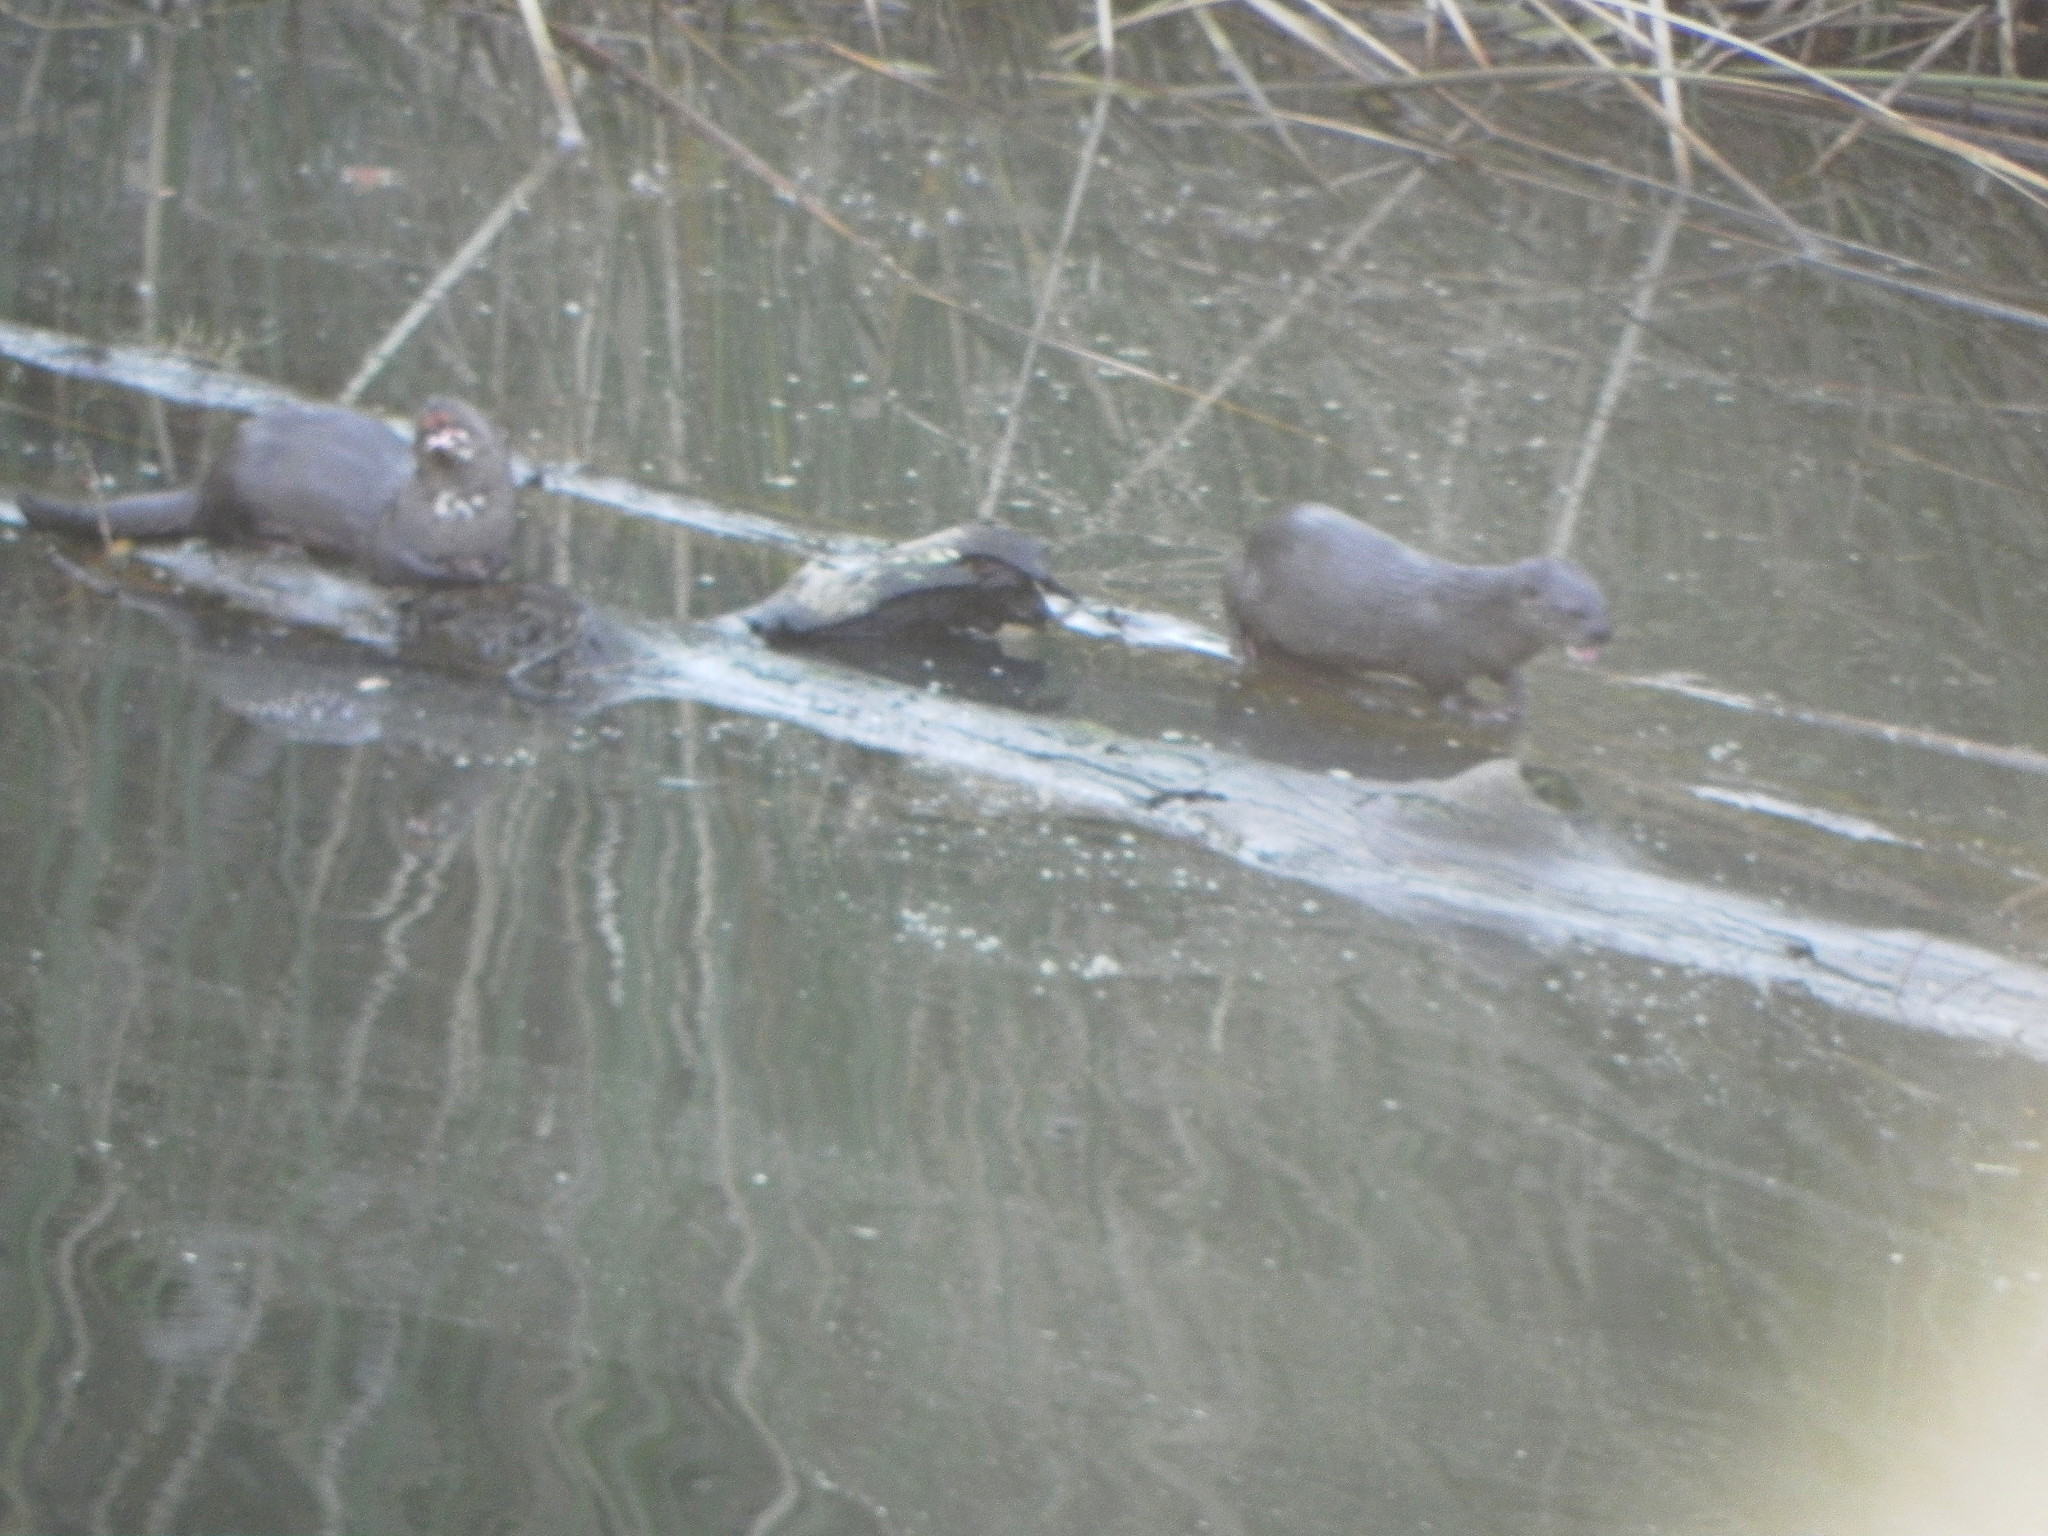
(1561, 600)
(1585, 650)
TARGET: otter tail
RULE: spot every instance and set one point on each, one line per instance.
(149, 515)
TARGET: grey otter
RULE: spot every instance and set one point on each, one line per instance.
(1325, 588)
(976, 577)
(340, 483)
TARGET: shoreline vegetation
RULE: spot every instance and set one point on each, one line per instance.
(1963, 83)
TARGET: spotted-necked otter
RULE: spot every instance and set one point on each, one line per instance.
(337, 482)
(1325, 588)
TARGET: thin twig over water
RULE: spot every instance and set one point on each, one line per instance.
(1055, 269)
(1573, 496)
(457, 268)
(1227, 378)
(568, 131)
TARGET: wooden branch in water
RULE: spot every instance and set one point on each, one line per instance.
(154, 371)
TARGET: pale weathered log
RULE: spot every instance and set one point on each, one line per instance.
(1478, 851)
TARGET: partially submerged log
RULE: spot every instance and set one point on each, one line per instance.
(1478, 851)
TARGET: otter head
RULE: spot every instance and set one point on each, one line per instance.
(1560, 603)
(451, 433)
(453, 520)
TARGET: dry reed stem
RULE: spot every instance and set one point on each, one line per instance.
(1668, 90)
(2024, 759)
(787, 189)
(1805, 25)
(2029, 184)
(1310, 32)
(1892, 275)
(1462, 25)
(162, 75)
(1979, 88)
(1322, 43)
(1298, 28)
(1234, 65)
(1572, 498)
(1891, 92)
(568, 131)
(1802, 237)
(918, 77)
(1071, 45)
(1895, 274)
(1226, 378)
(1055, 270)
(1363, 38)
(32, 80)
(702, 44)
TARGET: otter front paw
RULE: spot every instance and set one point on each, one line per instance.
(1506, 712)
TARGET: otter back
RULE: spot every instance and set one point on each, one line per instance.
(316, 475)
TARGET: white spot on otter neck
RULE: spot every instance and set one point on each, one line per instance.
(452, 506)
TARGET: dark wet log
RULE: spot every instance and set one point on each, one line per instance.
(972, 579)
